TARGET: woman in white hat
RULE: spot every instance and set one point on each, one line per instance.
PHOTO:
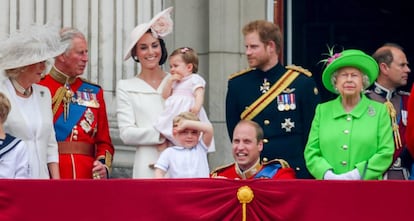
(23, 57)
(139, 98)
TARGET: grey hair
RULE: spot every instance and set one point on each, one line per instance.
(68, 34)
(365, 79)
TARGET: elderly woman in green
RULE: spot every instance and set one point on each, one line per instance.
(351, 137)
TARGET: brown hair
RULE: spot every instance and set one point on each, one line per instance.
(384, 53)
(267, 31)
(188, 55)
(257, 127)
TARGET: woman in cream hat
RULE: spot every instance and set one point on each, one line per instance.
(351, 136)
(139, 98)
(23, 58)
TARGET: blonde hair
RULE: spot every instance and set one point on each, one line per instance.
(188, 55)
(5, 107)
(185, 116)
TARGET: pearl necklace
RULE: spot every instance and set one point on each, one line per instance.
(21, 89)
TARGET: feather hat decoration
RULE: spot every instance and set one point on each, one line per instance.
(31, 45)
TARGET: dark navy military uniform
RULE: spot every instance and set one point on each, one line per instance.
(285, 121)
(399, 100)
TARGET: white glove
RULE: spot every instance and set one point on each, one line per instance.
(329, 175)
(351, 175)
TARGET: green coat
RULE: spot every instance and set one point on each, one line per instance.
(343, 142)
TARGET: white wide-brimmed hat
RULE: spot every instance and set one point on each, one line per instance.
(31, 45)
(161, 25)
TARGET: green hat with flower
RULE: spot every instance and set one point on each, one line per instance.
(349, 58)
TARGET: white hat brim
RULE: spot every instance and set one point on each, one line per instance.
(141, 29)
(31, 45)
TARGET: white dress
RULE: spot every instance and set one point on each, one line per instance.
(138, 106)
(181, 100)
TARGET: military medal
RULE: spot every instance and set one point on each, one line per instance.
(89, 116)
(85, 126)
(292, 101)
(280, 105)
(86, 98)
(288, 125)
(286, 101)
(265, 86)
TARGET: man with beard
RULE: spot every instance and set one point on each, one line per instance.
(280, 99)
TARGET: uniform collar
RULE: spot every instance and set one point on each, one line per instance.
(60, 77)
(249, 173)
(383, 92)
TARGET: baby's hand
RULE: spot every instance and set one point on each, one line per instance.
(176, 77)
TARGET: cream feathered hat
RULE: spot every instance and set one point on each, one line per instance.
(161, 25)
(31, 45)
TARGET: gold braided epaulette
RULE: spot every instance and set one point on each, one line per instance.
(240, 73)
(89, 82)
(221, 168)
(282, 162)
(299, 69)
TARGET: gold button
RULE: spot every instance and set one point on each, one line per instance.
(265, 140)
(265, 159)
(344, 163)
(266, 122)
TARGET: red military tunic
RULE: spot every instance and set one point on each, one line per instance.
(276, 169)
(81, 125)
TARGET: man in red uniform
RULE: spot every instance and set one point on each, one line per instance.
(80, 119)
(247, 145)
